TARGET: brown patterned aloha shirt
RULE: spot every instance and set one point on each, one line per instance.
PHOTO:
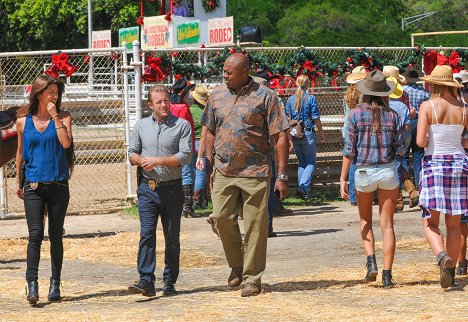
(242, 124)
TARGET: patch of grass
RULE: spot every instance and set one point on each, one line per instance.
(131, 211)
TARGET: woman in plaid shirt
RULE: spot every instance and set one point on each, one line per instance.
(444, 177)
(373, 138)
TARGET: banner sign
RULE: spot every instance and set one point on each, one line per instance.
(156, 33)
(101, 39)
(129, 35)
(188, 33)
(221, 31)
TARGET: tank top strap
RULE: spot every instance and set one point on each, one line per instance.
(464, 113)
(434, 111)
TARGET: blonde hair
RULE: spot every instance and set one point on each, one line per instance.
(378, 105)
(352, 96)
(437, 91)
(302, 83)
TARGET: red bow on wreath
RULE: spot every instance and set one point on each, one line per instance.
(60, 63)
(154, 71)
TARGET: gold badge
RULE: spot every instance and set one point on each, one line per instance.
(34, 185)
(152, 184)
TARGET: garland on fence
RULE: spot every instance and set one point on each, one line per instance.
(303, 61)
(210, 5)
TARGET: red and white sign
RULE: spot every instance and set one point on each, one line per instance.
(101, 39)
(221, 31)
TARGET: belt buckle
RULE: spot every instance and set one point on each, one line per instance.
(34, 185)
(152, 184)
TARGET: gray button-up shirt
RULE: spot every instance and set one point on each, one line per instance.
(173, 137)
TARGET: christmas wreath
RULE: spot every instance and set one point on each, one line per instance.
(210, 5)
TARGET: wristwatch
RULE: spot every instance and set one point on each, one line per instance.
(283, 177)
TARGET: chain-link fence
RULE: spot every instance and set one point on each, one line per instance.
(95, 95)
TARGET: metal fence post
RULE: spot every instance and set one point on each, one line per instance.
(137, 68)
(125, 69)
(3, 197)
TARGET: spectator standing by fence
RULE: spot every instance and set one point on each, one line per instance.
(241, 116)
(303, 107)
(444, 179)
(160, 145)
(372, 141)
(45, 145)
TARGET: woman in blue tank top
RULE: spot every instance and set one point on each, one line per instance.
(45, 150)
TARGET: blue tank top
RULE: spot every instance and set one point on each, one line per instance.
(43, 154)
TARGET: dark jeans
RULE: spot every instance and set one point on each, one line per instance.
(56, 196)
(165, 202)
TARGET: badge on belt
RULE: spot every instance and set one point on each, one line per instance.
(34, 185)
(152, 184)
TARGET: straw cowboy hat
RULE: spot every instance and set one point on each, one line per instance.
(413, 75)
(200, 94)
(395, 72)
(398, 91)
(462, 76)
(441, 75)
(376, 84)
(356, 75)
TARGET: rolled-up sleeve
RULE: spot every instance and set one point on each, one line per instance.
(350, 138)
(135, 140)
(312, 108)
(184, 155)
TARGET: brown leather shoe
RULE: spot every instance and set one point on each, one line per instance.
(446, 265)
(235, 278)
(281, 211)
(250, 289)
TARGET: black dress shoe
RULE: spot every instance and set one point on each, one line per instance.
(372, 271)
(143, 287)
(33, 292)
(272, 234)
(169, 289)
(54, 290)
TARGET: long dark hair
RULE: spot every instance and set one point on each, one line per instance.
(378, 105)
(37, 88)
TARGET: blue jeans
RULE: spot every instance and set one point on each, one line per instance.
(200, 176)
(188, 172)
(351, 191)
(306, 152)
(165, 202)
(418, 154)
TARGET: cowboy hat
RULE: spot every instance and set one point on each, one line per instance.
(395, 72)
(398, 91)
(375, 85)
(200, 94)
(462, 76)
(356, 75)
(441, 75)
(413, 75)
(179, 89)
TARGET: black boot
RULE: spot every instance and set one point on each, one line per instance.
(33, 292)
(387, 278)
(372, 271)
(54, 290)
(187, 209)
(198, 199)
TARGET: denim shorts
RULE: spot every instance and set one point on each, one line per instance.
(381, 176)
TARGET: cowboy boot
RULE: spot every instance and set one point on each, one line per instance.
(187, 208)
(198, 199)
(413, 193)
(205, 198)
(399, 204)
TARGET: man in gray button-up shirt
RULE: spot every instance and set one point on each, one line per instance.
(161, 145)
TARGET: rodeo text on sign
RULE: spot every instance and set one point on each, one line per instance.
(220, 31)
(101, 39)
(156, 33)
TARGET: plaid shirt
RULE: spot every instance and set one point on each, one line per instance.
(368, 148)
(417, 95)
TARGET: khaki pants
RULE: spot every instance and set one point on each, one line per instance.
(229, 195)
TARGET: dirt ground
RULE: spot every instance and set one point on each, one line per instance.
(314, 271)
